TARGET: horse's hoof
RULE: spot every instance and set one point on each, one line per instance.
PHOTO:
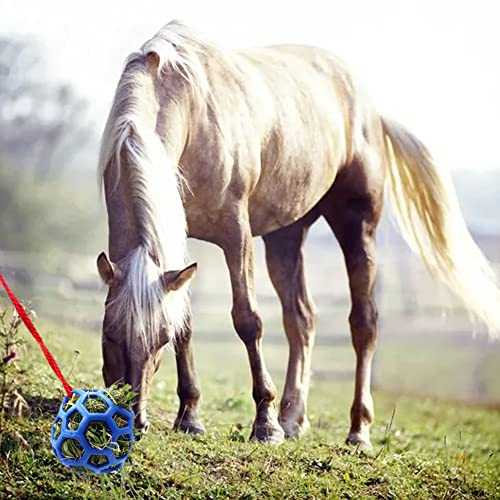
(187, 421)
(295, 429)
(268, 434)
(361, 443)
(194, 427)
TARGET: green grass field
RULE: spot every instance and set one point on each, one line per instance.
(430, 450)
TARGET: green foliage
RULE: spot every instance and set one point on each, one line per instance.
(423, 448)
(47, 216)
(10, 344)
(121, 395)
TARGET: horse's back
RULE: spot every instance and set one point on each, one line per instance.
(285, 116)
(309, 113)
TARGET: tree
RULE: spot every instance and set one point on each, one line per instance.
(42, 122)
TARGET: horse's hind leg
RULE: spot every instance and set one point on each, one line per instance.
(188, 388)
(286, 269)
(352, 209)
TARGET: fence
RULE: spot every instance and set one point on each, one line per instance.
(422, 327)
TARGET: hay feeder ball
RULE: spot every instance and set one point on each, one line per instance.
(92, 432)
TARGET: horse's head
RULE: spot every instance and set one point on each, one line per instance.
(144, 310)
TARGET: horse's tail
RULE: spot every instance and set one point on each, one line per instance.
(427, 211)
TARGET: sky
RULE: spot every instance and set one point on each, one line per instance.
(431, 64)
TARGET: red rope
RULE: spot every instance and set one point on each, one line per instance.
(31, 327)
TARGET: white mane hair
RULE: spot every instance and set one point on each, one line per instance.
(130, 142)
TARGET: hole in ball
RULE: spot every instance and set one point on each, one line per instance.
(120, 421)
(98, 435)
(95, 404)
(98, 459)
(122, 446)
(71, 448)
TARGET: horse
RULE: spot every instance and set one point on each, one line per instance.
(226, 145)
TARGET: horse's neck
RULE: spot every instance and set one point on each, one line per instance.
(162, 232)
(145, 208)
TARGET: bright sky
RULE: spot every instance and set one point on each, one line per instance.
(432, 64)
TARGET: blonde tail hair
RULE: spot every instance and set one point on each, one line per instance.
(428, 214)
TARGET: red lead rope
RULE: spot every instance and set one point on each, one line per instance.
(31, 327)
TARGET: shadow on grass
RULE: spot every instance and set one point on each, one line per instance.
(42, 407)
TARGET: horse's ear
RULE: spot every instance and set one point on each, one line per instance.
(153, 61)
(173, 280)
(107, 270)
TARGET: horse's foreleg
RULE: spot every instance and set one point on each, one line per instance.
(188, 388)
(286, 270)
(238, 250)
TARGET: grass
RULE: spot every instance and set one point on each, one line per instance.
(423, 448)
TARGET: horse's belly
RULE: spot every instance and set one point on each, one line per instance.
(299, 162)
(286, 195)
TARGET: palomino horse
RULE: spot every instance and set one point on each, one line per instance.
(225, 145)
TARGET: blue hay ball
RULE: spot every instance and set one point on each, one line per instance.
(115, 425)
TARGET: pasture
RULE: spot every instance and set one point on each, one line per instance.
(423, 448)
(233, 143)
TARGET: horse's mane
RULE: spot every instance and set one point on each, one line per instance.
(130, 141)
(179, 48)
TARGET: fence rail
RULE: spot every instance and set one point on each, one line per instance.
(422, 329)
